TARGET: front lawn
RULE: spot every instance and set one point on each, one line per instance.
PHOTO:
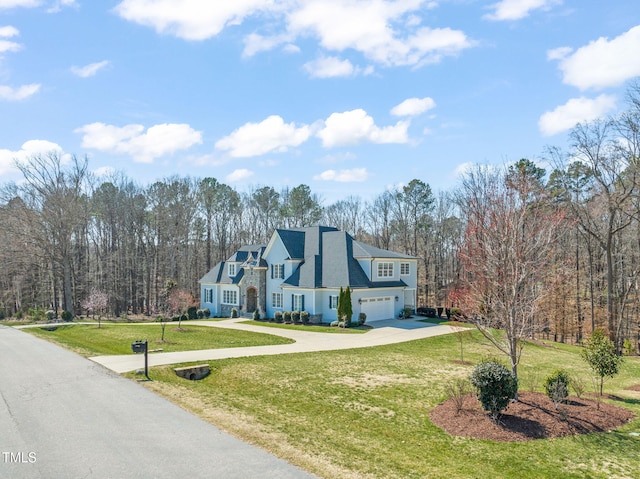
(364, 413)
(89, 340)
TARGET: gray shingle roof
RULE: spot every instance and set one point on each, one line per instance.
(329, 260)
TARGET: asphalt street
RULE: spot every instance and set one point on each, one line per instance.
(63, 416)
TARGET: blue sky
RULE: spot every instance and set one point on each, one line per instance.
(349, 97)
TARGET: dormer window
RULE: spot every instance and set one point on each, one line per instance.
(232, 269)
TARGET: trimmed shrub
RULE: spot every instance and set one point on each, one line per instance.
(200, 314)
(256, 315)
(192, 312)
(295, 317)
(206, 312)
(496, 386)
(304, 317)
(50, 315)
(334, 324)
(278, 316)
(556, 385)
(234, 313)
(184, 317)
(362, 318)
(67, 316)
(287, 316)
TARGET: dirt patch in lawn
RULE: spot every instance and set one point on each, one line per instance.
(635, 388)
(533, 416)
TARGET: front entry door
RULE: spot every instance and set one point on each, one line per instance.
(252, 300)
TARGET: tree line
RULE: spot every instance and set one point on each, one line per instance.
(565, 240)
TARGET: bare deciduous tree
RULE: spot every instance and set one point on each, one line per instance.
(508, 243)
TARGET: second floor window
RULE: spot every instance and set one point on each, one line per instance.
(232, 269)
(404, 269)
(278, 271)
(385, 270)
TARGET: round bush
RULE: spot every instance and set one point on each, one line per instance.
(278, 316)
(67, 316)
(256, 315)
(234, 313)
(304, 317)
(496, 386)
(556, 385)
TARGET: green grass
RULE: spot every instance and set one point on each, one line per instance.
(365, 412)
(89, 340)
(310, 328)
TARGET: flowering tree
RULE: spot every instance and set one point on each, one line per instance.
(96, 302)
(179, 301)
(511, 230)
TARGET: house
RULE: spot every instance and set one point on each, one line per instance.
(303, 269)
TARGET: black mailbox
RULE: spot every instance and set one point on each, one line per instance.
(139, 347)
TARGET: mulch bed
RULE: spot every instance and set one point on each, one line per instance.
(533, 416)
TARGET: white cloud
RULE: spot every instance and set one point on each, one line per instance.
(9, 31)
(6, 4)
(387, 32)
(16, 94)
(344, 176)
(270, 135)
(413, 106)
(104, 171)
(8, 158)
(238, 175)
(368, 26)
(190, 19)
(559, 53)
(352, 127)
(254, 43)
(603, 62)
(328, 67)
(60, 4)
(89, 70)
(7, 46)
(463, 169)
(143, 147)
(576, 110)
(517, 9)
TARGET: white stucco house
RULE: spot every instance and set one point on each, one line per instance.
(303, 269)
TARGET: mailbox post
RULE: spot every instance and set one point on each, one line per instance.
(142, 347)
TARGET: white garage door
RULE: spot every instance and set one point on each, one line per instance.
(377, 308)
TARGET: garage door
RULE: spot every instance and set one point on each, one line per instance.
(377, 308)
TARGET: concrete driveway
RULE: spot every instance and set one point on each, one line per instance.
(62, 416)
(384, 332)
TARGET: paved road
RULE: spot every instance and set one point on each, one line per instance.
(384, 332)
(62, 416)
